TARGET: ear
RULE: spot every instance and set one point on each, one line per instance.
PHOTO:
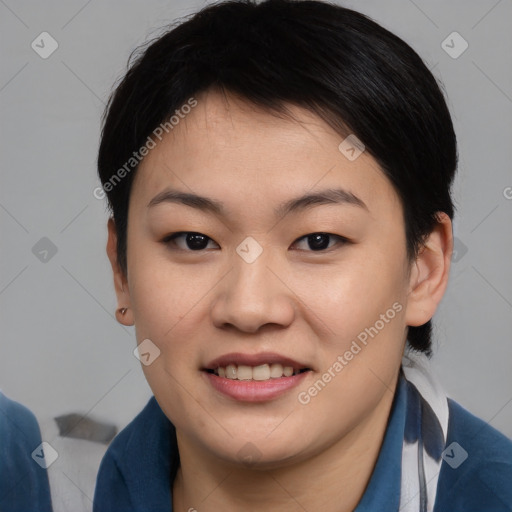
(120, 280)
(429, 273)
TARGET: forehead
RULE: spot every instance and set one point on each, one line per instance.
(228, 148)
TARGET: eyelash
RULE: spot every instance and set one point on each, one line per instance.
(173, 236)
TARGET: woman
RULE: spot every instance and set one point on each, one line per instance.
(279, 178)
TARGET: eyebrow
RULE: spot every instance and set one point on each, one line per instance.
(206, 204)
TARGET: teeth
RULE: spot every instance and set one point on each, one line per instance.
(231, 371)
(244, 372)
(276, 371)
(288, 371)
(261, 372)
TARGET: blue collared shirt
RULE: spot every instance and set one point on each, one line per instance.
(137, 470)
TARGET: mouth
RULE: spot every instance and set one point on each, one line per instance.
(259, 373)
(254, 378)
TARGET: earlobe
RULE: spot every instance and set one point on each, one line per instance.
(124, 313)
(429, 273)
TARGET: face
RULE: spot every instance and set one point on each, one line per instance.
(250, 289)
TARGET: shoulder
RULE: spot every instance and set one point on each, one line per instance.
(128, 439)
(17, 423)
(23, 482)
(476, 473)
(133, 474)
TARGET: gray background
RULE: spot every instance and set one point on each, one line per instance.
(62, 349)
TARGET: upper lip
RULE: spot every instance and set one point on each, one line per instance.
(238, 358)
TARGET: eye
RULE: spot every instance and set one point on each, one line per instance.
(193, 241)
(190, 240)
(320, 241)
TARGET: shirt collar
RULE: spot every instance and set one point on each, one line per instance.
(384, 486)
(147, 458)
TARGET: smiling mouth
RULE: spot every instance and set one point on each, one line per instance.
(261, 372)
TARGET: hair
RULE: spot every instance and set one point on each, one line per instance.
(335, 62)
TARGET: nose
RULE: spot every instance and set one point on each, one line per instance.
(253, 295)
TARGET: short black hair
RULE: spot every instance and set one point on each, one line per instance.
(333, 61)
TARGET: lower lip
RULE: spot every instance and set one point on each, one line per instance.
(254, 390)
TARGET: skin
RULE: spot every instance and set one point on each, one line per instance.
(305, 304)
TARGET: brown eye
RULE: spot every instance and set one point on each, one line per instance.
(320, 241)
(188, 240)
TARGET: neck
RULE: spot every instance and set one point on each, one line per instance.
(333, 480)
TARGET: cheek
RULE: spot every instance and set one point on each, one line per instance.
(345, 299)
(166, 303)
(162, 294)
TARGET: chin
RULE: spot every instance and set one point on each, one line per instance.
(259, 452)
